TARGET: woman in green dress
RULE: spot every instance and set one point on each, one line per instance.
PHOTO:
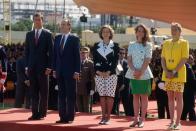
(139, 73)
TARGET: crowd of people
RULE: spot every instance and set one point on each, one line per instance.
(71, 74)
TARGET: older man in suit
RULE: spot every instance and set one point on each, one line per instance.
(85, 85)
(66, 69)
(38, 55)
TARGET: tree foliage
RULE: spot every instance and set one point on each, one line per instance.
(22, 25)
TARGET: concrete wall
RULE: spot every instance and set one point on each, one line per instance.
(17, 36)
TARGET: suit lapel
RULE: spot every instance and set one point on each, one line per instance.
(67, 41)
(104, 51)
(100, 50)
(33, 36)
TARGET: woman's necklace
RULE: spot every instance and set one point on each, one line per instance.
(171, 60)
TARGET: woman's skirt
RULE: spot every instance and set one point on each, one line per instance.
(174, 86)
(140, 86)
(106, 86)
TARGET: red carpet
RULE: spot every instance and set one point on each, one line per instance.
(16, 120)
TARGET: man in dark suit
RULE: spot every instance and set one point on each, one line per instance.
(23, 92)
(123, 90)
(66, 66)
(38, 55)
(189, 90)
(85, 85)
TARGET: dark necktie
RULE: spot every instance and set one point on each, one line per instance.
(82, 64)
(62, 44)
(36, 37)
(121, 62)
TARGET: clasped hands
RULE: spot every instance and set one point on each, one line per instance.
(170, 74)
(137, 74)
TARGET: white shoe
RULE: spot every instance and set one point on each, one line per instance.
(134, 123)
(106, 122)
(102, 122)
(140, 124)
(171, 126)
(177, 127)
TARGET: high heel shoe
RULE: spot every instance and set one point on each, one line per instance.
(140, 124)
(102, 122)
(177, 126)
(133, 124)
(171, 126)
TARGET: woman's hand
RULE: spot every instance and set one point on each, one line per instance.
(106, 74)
(169, 74)
(137, 74)
(99, 73)
(103, 74)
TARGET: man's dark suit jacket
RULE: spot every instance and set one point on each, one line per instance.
(38, 57)
(66, 63)
(69, 61)
(188, 95)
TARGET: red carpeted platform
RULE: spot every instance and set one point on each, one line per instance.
(16, 120)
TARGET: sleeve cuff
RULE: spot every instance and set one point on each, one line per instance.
(48, 69)
(76, 73)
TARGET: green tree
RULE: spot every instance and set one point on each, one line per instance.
(22, 25)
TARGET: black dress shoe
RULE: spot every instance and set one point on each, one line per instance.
(34, 118)
(62, 121)
(42, 116)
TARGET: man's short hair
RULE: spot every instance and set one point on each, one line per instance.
(38, 15)
(122, 49)
(67, 20)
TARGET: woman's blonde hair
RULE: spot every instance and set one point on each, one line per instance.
(177, 25)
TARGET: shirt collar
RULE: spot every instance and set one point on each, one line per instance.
(84, 60)
(65, 34)
(39, 31)
(111, 44)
